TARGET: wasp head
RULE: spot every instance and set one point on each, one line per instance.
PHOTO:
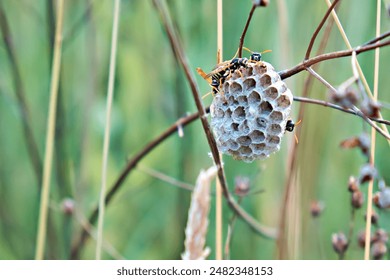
(290, 125)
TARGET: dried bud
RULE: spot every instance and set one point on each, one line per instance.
(374, 217)
(365, 143)
(357, 199)
(316, 208)
(350, 143)
(381, 199)
(367, 173)
(380, 235)
(378, 250)
(262, 3)
(362, 239)
(67, 206)
(353, 184)
(370, 108)
(241, 186)
(345, 97)
(362, 141)
(339, 242)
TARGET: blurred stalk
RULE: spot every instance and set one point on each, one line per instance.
(184, 152)
(218, 187)
(61, 155)
(373, 138)
(106, 144)
(292, 166)
(90, 96)
(32, 146)
(50, 137)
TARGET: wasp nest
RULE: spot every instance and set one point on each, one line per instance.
(250, 112)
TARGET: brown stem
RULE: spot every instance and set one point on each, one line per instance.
(313, 38)
(379, 38)
(284, 74)
(241, 43)
(337, 107)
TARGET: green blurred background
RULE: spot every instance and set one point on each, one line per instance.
(147, 217)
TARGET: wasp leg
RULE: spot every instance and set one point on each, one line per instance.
(207, 94)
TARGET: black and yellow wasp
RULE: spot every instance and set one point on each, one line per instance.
(223, 70)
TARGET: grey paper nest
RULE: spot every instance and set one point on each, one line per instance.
(249, 114)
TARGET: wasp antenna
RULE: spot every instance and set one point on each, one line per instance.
(248, 50)
(266, 51)
(235, 55)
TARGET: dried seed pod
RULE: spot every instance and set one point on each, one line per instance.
(362, 141)
(374, 217)
(316, 208)
(339, 242)
(357, 199)
(380, 235)
(353, 185)
(242, 186)
(68, 206)
(367, 173)
(371, 108)
(250, 113)
(378, 250)
(382, 198)
(362, 239)
(346, 97)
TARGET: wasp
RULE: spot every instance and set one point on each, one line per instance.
(290, 125)
(223, 70)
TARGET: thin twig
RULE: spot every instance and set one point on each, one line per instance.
(378, 38)
(163, 177)
(44, 204)
(337, 107)
(241, 42)
(313, 38)
(284, 74)
(106, 145)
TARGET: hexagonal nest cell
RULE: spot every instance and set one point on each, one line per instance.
(250, 112)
